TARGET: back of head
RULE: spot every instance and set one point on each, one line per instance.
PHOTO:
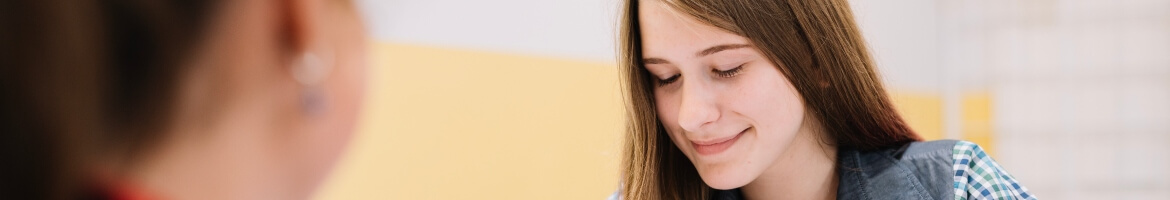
(80, 79)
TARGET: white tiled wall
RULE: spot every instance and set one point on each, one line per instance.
(1081, 90)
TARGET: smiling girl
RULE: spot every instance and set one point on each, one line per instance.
(742, 99)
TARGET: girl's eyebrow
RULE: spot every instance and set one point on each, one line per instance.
(704, 52)
(718, 48)
(654, 61)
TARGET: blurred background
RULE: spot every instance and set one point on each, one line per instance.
(519, 99)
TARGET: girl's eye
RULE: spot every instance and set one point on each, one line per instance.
(729, 73)
(668, 81)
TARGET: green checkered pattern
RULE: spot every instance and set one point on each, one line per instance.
(977, 176)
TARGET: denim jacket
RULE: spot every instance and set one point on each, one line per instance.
(918, 170)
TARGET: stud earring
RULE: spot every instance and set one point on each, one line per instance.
(310, 71)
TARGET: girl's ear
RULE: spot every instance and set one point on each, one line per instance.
(297, 21)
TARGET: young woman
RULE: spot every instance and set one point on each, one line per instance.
(767, 99)
(172, 99)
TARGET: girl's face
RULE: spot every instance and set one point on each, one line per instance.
(724, 104)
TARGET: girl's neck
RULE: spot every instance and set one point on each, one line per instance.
(227, 158)
(806, 170)
(221, 166)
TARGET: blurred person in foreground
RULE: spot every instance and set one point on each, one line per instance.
(766, 99)
(175, 99)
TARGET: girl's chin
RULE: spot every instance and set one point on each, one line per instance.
(726, 180)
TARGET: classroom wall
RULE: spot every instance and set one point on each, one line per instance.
(519, 99)
(443, 123)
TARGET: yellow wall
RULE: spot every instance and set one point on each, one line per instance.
(976, 119)
(453, 124)
(922, 110)
(458, 124)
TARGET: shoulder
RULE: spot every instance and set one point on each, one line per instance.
(941, 169)
(978, 176)
(937, 149)
(916, 170)
(931, 161)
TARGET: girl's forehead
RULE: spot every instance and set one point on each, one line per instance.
(666, 32)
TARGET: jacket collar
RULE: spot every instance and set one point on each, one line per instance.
(866, 175)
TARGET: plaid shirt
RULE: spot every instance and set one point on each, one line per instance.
(977, 176)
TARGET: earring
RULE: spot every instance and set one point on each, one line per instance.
(310, 71)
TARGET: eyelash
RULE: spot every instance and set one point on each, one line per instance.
(723, 74)
(729, 73)
(668, 81)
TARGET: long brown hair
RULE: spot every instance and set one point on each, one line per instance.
(83, 78)
(817, 46)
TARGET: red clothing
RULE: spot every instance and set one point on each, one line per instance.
(108, 187)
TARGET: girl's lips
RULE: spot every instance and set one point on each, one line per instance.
(717, 146)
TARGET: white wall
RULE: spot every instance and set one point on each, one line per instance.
(577, 29)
